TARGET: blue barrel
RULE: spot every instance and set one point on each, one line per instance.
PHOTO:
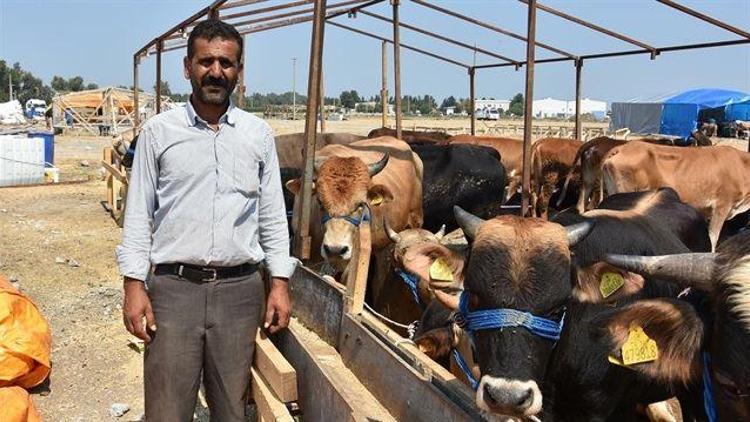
(49, 146)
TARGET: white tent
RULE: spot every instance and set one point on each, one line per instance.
(11, 113)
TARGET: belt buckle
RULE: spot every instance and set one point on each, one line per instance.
(213, 277)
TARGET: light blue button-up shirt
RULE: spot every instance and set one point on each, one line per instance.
(205, 197)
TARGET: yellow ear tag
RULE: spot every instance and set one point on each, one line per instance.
(639, 348)
(440, 270)
(615, 360)
(610, 283)
(377, 199)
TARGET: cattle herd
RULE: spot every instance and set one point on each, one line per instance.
(628, 288)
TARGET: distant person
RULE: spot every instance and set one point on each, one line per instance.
(205, 208)
(709, 128)
(48, 118)
(68, 118)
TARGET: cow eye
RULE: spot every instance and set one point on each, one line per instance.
(728, 387)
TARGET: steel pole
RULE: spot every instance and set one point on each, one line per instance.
(302, 231)
(472, 98)
(159, 46)
(322, 102)
(241, 79)
(397, 66)
(579, 127)
(294, 88)
(384, 82)
(136, 111)
(528, 110)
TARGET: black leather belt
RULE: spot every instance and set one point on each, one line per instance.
(205, 274)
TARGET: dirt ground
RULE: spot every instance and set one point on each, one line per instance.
(58, 245)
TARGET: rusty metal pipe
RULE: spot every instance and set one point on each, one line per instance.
(159, 47)
(528, 110)
(472, 99)
(579, 127)
(397, 66)
(705, 18)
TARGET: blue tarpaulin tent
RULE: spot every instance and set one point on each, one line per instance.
(680, 113)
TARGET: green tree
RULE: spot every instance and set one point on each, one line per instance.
(25, 84)
(75, 84)
(92, 85)
(349, 98)
(165, 91)
(516, 107)
(448, 102)
(59, 84)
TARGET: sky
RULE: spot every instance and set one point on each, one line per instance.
(96, 39)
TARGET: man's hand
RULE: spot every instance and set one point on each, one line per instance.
(135, 307)
(278, 306)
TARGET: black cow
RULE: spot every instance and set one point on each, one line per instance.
(470, 176)
(687, 342)
(525, 265)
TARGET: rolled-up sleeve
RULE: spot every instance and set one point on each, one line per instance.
(133, 254)
(272, 224)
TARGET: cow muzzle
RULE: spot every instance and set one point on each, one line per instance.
(509, 397)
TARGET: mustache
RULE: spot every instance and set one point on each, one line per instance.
(218, 82)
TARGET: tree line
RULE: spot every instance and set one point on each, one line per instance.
(27, 86)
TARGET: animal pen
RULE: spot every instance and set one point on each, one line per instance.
(356, 367)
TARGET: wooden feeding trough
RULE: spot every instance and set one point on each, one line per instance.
(351, 366)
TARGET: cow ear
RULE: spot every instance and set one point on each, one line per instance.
(294, 185)
(379, 194)
(604, 283)
(672, 324)
(436, 343)
(449, 300)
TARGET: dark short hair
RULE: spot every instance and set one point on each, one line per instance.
(210, 29)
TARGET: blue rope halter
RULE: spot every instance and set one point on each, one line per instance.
(488, 319)
(356, 221)
(708, 393)
(465, 369)
(411, 282)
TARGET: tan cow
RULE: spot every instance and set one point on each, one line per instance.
(551, 160)
(382, 174)
(511, 155)
(290, 147)
(713, 180)
(412, 136)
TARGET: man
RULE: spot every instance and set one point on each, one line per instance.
(205, 207)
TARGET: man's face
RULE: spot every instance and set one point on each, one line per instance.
(213, 69)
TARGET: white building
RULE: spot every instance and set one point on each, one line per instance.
(491, 105)
(553, 108)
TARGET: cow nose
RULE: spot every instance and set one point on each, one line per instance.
(517, 399)
(335, 250)
(524, 400)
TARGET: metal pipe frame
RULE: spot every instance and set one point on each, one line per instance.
(303, 239)
(397, 66)
(384, 82)
(136, 110)
(472, 100)
(239, 3)
(595, 27)
(705, 18)
(159, 47)
(579, 127)
(493, 28)
(528, 108)
(440, 37)
(266, 9)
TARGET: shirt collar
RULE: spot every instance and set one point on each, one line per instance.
(193, 118)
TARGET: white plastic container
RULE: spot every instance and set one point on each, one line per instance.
(21, 160)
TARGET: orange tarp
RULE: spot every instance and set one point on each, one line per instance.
(25, 343)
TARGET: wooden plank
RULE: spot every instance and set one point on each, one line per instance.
(317, 303)
(279, 374)
(406, 393)
(356, 280)
(270, 408)
(114, 172)
(328, 391)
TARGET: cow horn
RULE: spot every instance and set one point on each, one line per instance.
(377, 167)
(577, 232)
(691, 268)
(440, 233)
(395, 237)
(469, 222)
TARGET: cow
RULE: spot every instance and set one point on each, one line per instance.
(711, 179)
(511, 155)
(551, 160)
(470, 176)
(694, 348)
(412, 136)
(525, 265)
(290, 147)
(380, 178)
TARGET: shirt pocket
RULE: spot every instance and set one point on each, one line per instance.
(246, 177)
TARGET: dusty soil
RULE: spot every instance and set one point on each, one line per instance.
(44, 232)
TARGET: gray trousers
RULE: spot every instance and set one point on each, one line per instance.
(207, 327)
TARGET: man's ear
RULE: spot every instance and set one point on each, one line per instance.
(379, 194)
(186, 67)
(672, 324)
(604, 283)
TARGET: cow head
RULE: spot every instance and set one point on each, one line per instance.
(437, 269)
(344, 190)
(725, 276)
(521, 264)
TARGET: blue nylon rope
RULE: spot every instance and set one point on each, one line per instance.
(487, 319)
(465, 368)
(708, 393)
(411, 282)
(354, 221)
